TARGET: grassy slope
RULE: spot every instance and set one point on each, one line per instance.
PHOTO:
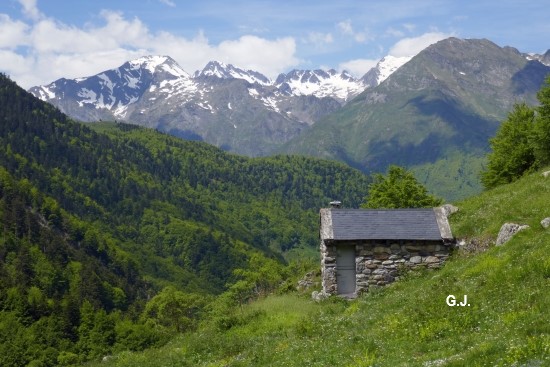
(454, 177)
(408, 323)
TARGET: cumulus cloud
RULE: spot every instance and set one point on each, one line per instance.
(271, 57)
(12, 33)
(54, 50)
(410, 46)
(358, 67)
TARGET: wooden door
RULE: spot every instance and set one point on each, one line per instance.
(345, 269)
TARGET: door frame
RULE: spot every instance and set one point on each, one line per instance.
(351, 268)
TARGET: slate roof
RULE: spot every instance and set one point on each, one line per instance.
(382, 224)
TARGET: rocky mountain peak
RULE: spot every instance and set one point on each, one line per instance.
(544, 59)
(383, 69)
(157, 65)
(228, 71)
(320, 83)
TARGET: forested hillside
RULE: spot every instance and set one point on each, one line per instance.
(101, 229)
(505, 323)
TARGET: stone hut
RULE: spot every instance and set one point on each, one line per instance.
(363, 248)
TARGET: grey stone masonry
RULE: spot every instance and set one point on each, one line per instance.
(379, 263)
(328, 268)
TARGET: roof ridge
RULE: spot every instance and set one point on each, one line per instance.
(404, 224)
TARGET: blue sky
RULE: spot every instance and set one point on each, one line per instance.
(43, 40)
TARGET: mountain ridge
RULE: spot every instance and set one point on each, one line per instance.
(239, 110)
(318, 83)
(413, 111)
(444, 104)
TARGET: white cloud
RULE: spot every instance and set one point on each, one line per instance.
(252, 52)
(14, 63)
(30, 9)
(12, 33)
(54, 50)
(358, 67)
(412, 45)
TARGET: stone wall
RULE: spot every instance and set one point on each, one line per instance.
(381, 262)
(328, 268)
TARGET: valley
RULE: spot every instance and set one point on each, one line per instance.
(155, 217)
(98, 222)
(435, 110)
(408, 323)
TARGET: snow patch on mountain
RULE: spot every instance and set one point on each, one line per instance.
(268, 100)
(176, 87)
(253, 92)
(228, 71)
(271, 103)
(149, 63)
(45, 93)
(320, 83)
(389, 64)
(106, 81)
(544, 59)
(89, 96)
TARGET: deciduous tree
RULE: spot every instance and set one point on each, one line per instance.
(398, 189)
(512, 152)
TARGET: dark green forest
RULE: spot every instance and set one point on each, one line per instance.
(115, 237)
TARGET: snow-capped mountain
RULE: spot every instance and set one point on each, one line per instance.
(246, 112)
(228, 71)
(240, 110)
(320, 83)
(383, 69)
(544, 59)
(112, 92)
(442, 106)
